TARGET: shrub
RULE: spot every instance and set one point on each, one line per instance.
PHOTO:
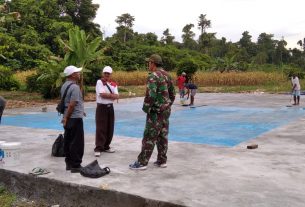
(48, 79)
(7, 81)
(188, 66)
(291, 70)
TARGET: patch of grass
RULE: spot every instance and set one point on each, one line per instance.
(6, 199)
(21, 96)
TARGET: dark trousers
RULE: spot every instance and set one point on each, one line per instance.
(74, 141)
(104, 120)
(1, 112)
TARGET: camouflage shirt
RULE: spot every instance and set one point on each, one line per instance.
(160, 92)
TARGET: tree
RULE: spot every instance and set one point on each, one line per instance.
(7, 17)
(188, 66)
(216, 47)
(266, 45)
(205, 41)
(246, 44)
(203, 23)
(79, 51)
(225, 64)
(167, 38)
(188, 37)
(151, 38)
(281, 53)
(82, 14)
(302, 44)
(126, 22)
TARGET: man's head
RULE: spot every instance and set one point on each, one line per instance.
(107, 71)
(154, 61)
(72, 72)
(183, 74)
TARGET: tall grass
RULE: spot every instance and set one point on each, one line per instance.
(135, 78)
(238, 78)
(21, 76)
(208, 78)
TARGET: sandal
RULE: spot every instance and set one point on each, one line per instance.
(39, 171)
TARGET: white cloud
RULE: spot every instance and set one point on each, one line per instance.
(229, 17)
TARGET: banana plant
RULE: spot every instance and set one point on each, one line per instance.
(79, 51)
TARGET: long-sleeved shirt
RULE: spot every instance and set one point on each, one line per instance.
(160, 92)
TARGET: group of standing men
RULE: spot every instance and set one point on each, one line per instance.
(159, 97)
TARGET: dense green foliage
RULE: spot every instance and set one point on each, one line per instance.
(7, 81)
(48, 35)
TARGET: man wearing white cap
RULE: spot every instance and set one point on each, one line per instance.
(106, 93)
(73, 119)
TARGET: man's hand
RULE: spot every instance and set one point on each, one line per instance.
(64, 121)
(85, 114)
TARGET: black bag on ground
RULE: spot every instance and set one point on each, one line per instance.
(58, 147)
(93, 170)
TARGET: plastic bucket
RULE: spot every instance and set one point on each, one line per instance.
(1, 154)
(10, 153)
(182, 101)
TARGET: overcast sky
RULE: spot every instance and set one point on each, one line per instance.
(229, 18)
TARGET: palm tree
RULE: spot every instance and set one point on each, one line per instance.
(203, 23)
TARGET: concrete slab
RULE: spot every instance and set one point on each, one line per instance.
(197, 175)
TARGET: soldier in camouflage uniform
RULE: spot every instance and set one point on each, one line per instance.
(160, 95)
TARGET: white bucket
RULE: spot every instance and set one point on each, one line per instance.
(10, 152)
(183, 101)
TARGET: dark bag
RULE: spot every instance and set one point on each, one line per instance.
(58, 147)
(93, 170)
(61, 105)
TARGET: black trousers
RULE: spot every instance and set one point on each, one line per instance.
(74, 142)
(1, 112)
(104, 119)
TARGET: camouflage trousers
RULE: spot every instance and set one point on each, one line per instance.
(155, 133)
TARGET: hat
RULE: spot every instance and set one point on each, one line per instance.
(183, 73)
(69, 70)
(154, 58)
(107, 69)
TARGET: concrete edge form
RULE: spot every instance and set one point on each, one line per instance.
(55, 192)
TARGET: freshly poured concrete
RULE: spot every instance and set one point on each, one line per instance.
(197, 175)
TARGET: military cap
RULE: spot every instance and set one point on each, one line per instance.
(154, 58)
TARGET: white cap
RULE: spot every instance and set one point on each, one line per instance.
(107, 69)
(69, 70)
(183, 73)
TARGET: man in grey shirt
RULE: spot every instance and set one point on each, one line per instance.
(2, 106)
(73, 120)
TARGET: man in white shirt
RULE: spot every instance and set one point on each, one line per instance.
(296, 89)
(106, 94)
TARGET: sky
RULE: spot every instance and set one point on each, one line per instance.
(229, 18)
